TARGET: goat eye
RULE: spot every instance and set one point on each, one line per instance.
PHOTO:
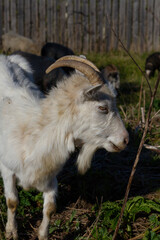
(103, 109)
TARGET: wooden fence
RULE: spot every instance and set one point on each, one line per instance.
(85, 25)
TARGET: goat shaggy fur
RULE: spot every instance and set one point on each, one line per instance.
(12, 41)
(37, 133)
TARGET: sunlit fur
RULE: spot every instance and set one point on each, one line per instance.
(37, 133)
(12, 41)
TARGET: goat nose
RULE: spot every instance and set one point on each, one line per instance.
(126, 140)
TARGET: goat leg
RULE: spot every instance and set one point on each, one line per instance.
(49, 207)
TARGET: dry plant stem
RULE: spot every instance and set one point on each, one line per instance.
(137, 159)
(152, 148)
(143, 234)
(144, 99)
(94, 224)
(155, 114)
(140, 99)
(143, 118)
(96, 221)
(125, 117)
(80, 210)
(152, 119)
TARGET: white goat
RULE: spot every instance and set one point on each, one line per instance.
(38, 134)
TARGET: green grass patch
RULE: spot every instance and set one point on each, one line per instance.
(130, 75)
(109, 213)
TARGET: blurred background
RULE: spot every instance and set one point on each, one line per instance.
(85, 25)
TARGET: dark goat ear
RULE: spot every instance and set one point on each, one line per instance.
(91, 92)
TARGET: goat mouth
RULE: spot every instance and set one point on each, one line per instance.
(117, 149)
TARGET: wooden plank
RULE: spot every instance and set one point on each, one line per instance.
(34, 20)
(129, 24)
(142, 26)
(99, 27)
(13, 16)
(108, 22)
(63, 23)
(92, 12)
(49, 12)
(74, 25)
(156, 32)
(42, 21)
(6, 16)
(115, 13)
(136, 21)
(1, 21)
(85, 25)
(70, 24)
(27, 18)
(145, 23)
(135, 26)
(150, 10)
(78, 26)
(58, 20)
(122, 22)
(103, 46)
(20, 16)
(55, 24)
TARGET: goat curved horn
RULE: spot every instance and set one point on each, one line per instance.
(79, 59)
(93, 76)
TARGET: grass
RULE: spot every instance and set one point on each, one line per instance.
(130, 75)
(89, 206)
(136, 206)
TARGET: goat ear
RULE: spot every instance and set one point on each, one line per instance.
(91, 92)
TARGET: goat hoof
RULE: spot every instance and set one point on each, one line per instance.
(42, 234)
(42, 238)
(11, 235)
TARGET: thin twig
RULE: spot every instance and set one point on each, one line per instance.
(144, 99)
(140, 236)
(137, 159)
(152, 119)
(155, 114)
(95, 222)
(35, 229)
(77, 209)
(56, 236)
(125, 117)
(140, 99)
(152, 148)
(78, 200)
(143, 118)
